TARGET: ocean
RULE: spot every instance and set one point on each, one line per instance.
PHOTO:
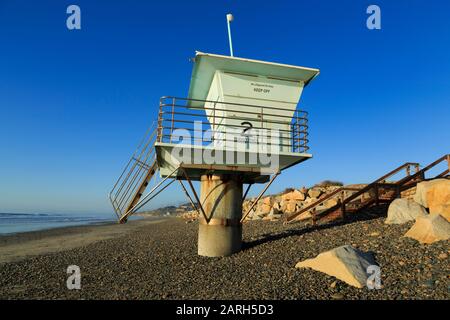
(24, 222)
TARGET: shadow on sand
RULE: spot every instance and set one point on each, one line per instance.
(366, 215)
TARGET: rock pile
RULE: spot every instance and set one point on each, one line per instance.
(275, 206)
(189, 216)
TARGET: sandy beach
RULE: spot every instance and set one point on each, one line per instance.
(157, 259)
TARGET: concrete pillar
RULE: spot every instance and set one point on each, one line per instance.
(221, 198)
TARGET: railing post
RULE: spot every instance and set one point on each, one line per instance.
(173, 114)
(261, 130)
(313, 216)
(292, 137)
(377, 194)
(448, 161)
(298, 129)
(343, 210)
(158, 129)
(306, 131)
(214, 127)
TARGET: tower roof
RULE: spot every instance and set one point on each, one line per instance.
(206, 65)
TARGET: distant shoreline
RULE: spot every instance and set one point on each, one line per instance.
(52, 230)
(21, 223)
(18, 246)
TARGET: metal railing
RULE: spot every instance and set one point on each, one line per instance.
(378, 191)
(222, 123)
(346, 195)
(135, 174)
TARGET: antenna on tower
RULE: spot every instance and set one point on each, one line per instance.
(229, 19)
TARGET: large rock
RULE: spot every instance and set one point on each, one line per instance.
(291, 201)
(314, 193)
(293, 196)
(331, 203)
(443, 210)
(430, 229)
(267, 201)
(438, 198)
(291, 207)
(404, 210)
(264, 208)
(345, 263)
(277, 206)
(423, 187)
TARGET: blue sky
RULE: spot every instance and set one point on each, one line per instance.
(74, 104)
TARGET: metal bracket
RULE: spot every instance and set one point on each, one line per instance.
(260, 195)
(246, 191)
(194, 192)
(189, 197)
(221, 222)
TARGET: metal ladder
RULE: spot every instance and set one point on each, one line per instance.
(138, 172)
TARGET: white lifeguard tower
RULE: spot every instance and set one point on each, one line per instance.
(240, 124)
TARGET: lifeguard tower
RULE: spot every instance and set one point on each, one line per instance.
(239, 125)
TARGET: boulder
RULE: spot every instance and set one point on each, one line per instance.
(274, 211)
(423, 187)
(314, 193)
(277, 206)
(429, 229)
(331, 203)
(264, 209)
(344, 263)
(366, 195)
(297, 195)
(267, 201)
(283, 205)
(273, 215)
(291, 207)
(438, 198)
(404, 210)
(443, 210)
(293, 196)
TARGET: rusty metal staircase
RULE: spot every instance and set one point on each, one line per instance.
(351, 200)
(127, 192)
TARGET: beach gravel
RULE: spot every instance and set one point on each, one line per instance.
(160, 261)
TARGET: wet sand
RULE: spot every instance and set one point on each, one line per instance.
(20, 246)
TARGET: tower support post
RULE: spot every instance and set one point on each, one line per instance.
(221, 197)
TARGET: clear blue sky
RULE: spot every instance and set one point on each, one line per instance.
(74, 104)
